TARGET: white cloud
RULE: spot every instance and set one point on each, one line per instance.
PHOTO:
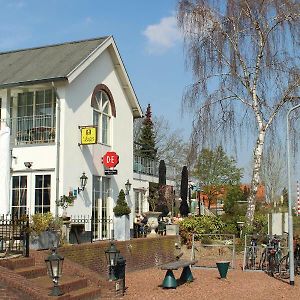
(162, 36)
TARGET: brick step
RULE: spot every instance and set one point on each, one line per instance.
(87, 293)
(32, 272)
(67, 283)
(16, 263)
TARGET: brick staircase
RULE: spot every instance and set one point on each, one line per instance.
(36, 282)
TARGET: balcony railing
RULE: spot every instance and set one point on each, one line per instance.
(32, 129)
(147, 166)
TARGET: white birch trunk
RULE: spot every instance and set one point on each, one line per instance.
(257, 156)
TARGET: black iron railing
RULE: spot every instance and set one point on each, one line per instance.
(14, 235)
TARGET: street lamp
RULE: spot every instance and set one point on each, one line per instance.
(290, 216)
(127, 187)
(54, 264)
(112, 254)
(240, 225)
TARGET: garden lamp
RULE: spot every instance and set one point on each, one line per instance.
(83, 181)
(54, 264)
(112, 254)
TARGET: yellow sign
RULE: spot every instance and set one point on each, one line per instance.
(88, 135)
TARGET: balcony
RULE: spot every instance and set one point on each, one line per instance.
(147, 166)
(29, 130)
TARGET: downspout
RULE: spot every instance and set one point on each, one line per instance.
(57, 166)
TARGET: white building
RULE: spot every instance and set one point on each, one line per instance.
(47, 94)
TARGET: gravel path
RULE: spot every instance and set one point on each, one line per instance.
(257, 285)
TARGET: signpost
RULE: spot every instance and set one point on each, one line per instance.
(88, 135)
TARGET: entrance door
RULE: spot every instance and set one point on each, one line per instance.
(101, 222)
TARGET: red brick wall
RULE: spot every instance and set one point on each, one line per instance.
(139, 253)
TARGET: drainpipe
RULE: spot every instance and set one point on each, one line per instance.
(57, 167)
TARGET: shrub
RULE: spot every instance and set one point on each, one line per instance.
(121, 207)
(199, 225)
(43, 222)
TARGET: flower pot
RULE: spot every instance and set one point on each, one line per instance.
(45, 240)
(153, 221)
(223, 268)
(122, 228)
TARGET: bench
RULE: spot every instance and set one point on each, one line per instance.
(186, 274)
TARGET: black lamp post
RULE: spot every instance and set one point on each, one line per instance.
(54, 264)
(83, 181)
(111, 255)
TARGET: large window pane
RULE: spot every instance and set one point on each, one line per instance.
(42, 193)
(19, 195)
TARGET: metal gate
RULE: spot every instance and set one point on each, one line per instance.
(207, 249)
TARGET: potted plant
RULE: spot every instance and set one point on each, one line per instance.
(64, 203)
(45, 231)
(122, 211)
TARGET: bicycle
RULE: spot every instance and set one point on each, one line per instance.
(251, 255)
(284, 266)
(271, 256)
(274, 256)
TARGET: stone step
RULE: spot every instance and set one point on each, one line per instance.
(87, 293)
(16, 263)
(67, 283)
(32, 272)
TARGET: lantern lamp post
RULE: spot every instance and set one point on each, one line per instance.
(54, 264)
(112, 254)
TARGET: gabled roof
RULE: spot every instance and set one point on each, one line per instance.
(61, 62)
(42, 63)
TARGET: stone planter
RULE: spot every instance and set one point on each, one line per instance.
(45, 240)
(153, 221)
(122, 228)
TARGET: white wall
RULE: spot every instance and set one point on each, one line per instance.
(77, 111)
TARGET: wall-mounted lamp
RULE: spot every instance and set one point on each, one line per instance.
(83, 180)
(28, 164)
(127, 187)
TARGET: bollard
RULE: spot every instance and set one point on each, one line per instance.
(223, 268)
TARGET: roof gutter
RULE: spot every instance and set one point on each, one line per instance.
(31, 82)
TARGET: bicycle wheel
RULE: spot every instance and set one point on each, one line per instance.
(263, 261)
(284, 267)
(249, 262)
(272, 265)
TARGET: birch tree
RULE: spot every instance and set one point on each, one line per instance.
(244, 57)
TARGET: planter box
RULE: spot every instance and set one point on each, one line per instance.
(45, 240)
(172, 229)
(122, 228)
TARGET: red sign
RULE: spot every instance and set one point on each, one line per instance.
(110, 159)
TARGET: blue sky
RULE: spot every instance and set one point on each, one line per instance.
(145, 32)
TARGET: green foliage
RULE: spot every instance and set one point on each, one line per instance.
(121, 207)
(65, 201)
(43, 222)
(215, 170)
(147, 137)
(233, 196)
(199, 225)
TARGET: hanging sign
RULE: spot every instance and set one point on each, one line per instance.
(88, 135)
(110, 159)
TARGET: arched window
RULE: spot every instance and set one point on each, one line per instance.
(103, 109)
